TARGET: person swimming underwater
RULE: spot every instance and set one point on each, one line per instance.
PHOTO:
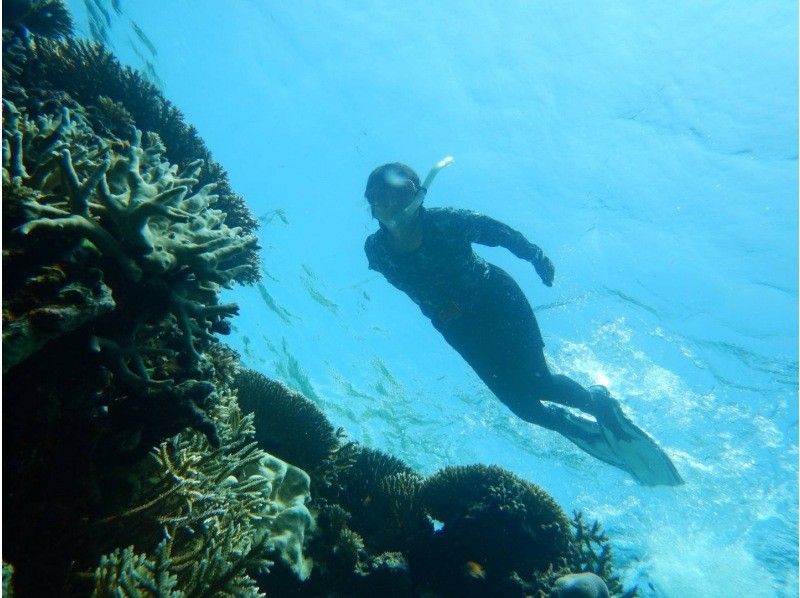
(484, 315)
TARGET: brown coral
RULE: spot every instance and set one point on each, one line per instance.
(497, 519)
(288, 424)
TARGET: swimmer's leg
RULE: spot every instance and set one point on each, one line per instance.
(620, 443)
(582, 432)
(596, 401)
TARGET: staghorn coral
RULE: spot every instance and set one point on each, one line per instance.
(288, 424)
(125, 573)
(591, 551)
(210, 517)
(494, 518)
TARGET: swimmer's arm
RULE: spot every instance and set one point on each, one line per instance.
(492, 233)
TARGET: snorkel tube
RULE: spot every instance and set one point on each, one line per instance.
(409, 210)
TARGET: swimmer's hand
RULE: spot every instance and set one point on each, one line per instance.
(545, 269)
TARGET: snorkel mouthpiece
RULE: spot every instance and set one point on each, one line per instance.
(421, 193)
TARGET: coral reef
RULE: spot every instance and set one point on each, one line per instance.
(288, 425)
(47, 18)
(501, 535)
(213, 517)
(509, 527)
(113, 261)
(87, 72)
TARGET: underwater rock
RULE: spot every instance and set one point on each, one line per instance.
(496, 519)
(579, 585)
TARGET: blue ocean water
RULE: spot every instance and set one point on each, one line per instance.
(649, 148)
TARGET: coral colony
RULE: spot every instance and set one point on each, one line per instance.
(140, 459)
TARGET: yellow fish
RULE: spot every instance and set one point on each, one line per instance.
(475, 570)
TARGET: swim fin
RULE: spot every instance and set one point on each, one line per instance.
(634, 449)
(582, 432)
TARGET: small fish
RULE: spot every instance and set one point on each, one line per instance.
(366, 502)
(145, 40)
(102, 10)
(475, 570)
(23, 32)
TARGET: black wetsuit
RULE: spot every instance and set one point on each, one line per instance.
(479, 309)
(483, 314)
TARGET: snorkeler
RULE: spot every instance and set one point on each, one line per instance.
(484, 315)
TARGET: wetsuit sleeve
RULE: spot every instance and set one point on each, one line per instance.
(492, 233)
(373, 255)
(478, 228)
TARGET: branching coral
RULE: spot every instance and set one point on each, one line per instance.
(125, 573)
(82, 69)
(134, 208)
(222, 514)
(591, 551)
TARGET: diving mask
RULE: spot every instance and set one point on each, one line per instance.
(409, 210)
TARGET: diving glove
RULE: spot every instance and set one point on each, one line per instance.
(544, 268)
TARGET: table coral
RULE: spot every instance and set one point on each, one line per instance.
(94, 78)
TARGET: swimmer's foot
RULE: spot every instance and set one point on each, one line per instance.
(639, 453)
(608, 412)
(583, 432)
